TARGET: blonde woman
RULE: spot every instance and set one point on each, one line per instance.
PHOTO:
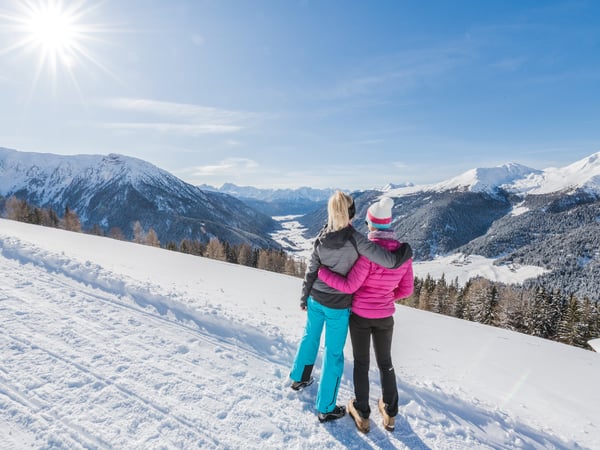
(337, 247)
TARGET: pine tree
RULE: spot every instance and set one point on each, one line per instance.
(568, 329)
(461, 304)
(231, 252)
(515, 311)
(439, 296)
(487, 309)
(425, 300)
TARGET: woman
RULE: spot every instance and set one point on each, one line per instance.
(375, 290)
(338, 246)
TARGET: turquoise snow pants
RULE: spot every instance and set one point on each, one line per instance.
(336, 330)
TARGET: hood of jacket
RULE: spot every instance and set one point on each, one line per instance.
(335, 239)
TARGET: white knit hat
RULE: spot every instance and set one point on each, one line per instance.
(379, 215)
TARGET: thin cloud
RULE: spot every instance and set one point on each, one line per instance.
(175, 128)
(231, 166)
(178, 118)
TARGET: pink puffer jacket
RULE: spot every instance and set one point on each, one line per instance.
(375, 288)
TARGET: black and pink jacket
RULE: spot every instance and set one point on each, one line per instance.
(375, 287)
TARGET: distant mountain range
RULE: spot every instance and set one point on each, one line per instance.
(116, 190)
(513, 213)
(276, 202)
(516, 214)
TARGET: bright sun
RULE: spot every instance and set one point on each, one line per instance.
(54, 31)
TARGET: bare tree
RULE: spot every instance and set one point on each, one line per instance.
(152, 238)
(139, 235)
(70, 221)
(216, 250)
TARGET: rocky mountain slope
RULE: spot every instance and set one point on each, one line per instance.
(116, 190)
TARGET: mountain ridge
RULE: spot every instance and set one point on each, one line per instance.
(116, 190)
(512, 213)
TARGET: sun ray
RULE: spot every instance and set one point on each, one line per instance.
(56, 33)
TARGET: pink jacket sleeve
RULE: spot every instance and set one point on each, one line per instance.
(351, 282)
(406, 285)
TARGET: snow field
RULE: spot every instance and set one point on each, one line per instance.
(107, 344)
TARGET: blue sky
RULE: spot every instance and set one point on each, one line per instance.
(283, 93)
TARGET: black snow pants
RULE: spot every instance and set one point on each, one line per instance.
(361, 330)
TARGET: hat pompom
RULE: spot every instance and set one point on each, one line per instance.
(387, 203)
(379, 215)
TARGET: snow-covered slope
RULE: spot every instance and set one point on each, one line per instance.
(109, 344)
(52, 174)
(486, 179)
(513, 177)
(583, 174)
(115, 191)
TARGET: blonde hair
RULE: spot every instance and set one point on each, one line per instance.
(337, 211)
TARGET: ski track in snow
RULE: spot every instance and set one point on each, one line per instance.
(93, 359)
(106, 379)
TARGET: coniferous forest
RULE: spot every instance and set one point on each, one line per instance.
(537, 311)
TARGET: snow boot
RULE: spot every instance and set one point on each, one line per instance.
(299, 385)
(389, 422)
(362, 424)
(337, 413)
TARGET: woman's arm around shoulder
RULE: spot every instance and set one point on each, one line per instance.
(351, 282)
(379, 255)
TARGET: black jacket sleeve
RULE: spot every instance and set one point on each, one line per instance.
(379, 255)
(311, 274)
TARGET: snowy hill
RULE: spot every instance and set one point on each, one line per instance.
(109, 344)
(583, 174)
(114, 191)
(486, 179)
(516, 178)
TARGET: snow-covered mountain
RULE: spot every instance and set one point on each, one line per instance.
(269, 195)
(512, 213)
(108, 344)
(583, 174)
(276, 202)
(487, 179)
(516, 178)
(116, 190)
